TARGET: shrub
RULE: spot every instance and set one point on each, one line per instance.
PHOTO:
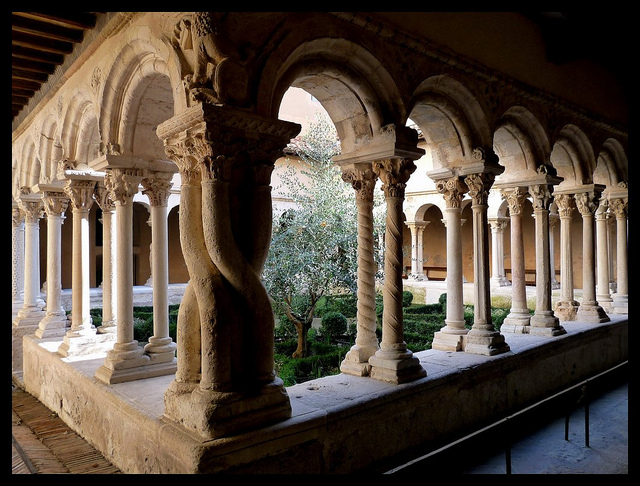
(334, 325)
(407, 298)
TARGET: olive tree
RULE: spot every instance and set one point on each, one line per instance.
(314, 243)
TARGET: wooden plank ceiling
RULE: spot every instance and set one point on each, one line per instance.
(40, 42)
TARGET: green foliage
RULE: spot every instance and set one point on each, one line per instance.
(346, 304)
(407, 298)
(314, 244)
(334, 325)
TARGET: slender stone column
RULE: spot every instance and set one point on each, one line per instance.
(356, 361)
(17, 260)
(450, 337)
(498, 277)
(553, 221)
(483, 337)
(519, 316)
(29, 316)
(417, 229)
(567, 307)
(393, 362)
(161, 346)
(543, 322)
(109, 256)
(603, 295)
(619, 206)
(611, 230)
(54, 322)
(589, 310)
(126, 360)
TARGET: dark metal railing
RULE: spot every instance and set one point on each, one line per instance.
(583, 399)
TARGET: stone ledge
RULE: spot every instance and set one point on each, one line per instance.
(339, 424)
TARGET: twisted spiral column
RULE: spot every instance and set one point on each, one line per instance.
(356, 361)
(393, 362)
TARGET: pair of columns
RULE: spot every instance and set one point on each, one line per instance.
(126, 360)
(417, 249)
(476, 178)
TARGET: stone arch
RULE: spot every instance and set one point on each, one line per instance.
(135, 68)
(50, 149)
(29, 165)
(573, 156)
(78, 115)
(451, 120)
(349, 82)
(611, 164)
(521, 144)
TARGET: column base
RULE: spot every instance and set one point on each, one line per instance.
(396, 366)
(517, 321)
(545, 323)
(566, 310)
(356, 361)
(213, 415)
(21, 327)
(449, 339)
(591, 313)
(53, 325)
(621, 304)
(499, 282)
(485, 343)
(128, 362)
(85, 342)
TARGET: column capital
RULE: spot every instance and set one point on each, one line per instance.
(123, 184)
(103, 197)
(619, 207)
(362, 178)
(55, 202)
(32, 207)
(157, 187)
(479, 185)
(587, 202)
(228, 144)
(453, 191)
(80, 193)
(541, 196)
(394, 174)
(515, 198)
(566, 204)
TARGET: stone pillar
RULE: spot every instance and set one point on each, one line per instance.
(356, 361)
(109, 256)
(161, 347)
(611, 230)
(543, 322)
(54, 323)
(519, 317)
(553, 221)
(393, 362)
(498, 277)
(81, 339)
(483, 337)
(17, 260)
(589, 310)
(126, 361)
(567, 307)
(618, 204)
(225, 382)
(603, 295)
(450, 337)
(29, 316)
(417, 230)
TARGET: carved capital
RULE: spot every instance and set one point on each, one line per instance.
(541, 196)
(17, 216)
(55, 203)
(33, 211)
(619, 207)
(394, 174)
(80, 193)
(515, 199)
(453, 190)
(566, 205)
(587, 202)
(103, 197)
(123, 184)
(157, 188)
(362, 180)
(479, 186)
